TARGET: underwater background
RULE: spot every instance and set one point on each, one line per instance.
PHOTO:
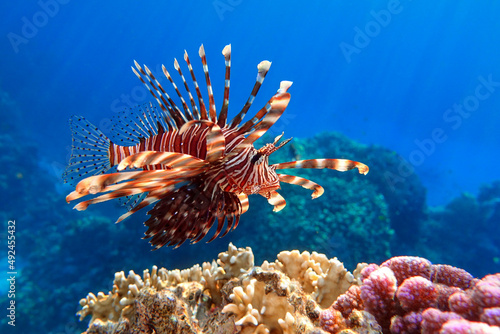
(410, 88)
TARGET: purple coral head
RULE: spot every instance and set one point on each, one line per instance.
(466, 327)
(417, 293)
(408, 266)
(331, 320)
(491, 316)
(451, 276)
(368, 270)
(410, 323)
(377, 293)
(461, 303)
(433, 319)
(487, 292)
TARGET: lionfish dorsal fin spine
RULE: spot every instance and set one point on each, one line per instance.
(203, 109)
(262, 68)
(164, 105)
(211, 101)
(196, 113)
(227, 79)
(177, 114)
(187, 111)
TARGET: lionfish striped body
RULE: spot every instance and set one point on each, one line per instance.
(194, 165)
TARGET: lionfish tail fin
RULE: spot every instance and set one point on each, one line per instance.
(89, 152)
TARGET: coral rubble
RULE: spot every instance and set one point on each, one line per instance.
(297, 293)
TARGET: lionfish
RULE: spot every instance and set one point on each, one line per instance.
(193, 164)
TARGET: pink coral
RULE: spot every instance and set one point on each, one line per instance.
(461, 303)
(433, 319)
(466, 327)
(368, 270)
(486, 293)
(408, 266)
(417, 293)
(451, 276)
(377, 292)
(411, 295)
(331, 321)
(410, 323)
(349, 301)
(491, 316)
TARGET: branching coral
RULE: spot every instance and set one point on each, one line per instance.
(285, 296)
(325, 279)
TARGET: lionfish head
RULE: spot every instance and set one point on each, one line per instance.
(269, 179)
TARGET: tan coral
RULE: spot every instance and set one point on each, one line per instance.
(235, 262)
(325, 279)
(254, 310)
(285, 296)
(269, 302)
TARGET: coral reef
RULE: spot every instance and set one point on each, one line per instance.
(285, 296)
(297, 293)
(411, 295)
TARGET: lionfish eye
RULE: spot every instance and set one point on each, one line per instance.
(256, 158)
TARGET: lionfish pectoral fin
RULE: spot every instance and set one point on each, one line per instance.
(244, 202)
(340, 165)
(131, 188)
(216, 144)
(170, 159)
(89, 153)
(151, 198)
(97, 183)
(275, 199)
(305, 183)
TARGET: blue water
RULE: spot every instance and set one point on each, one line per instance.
(418, 77)
(381, 72)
